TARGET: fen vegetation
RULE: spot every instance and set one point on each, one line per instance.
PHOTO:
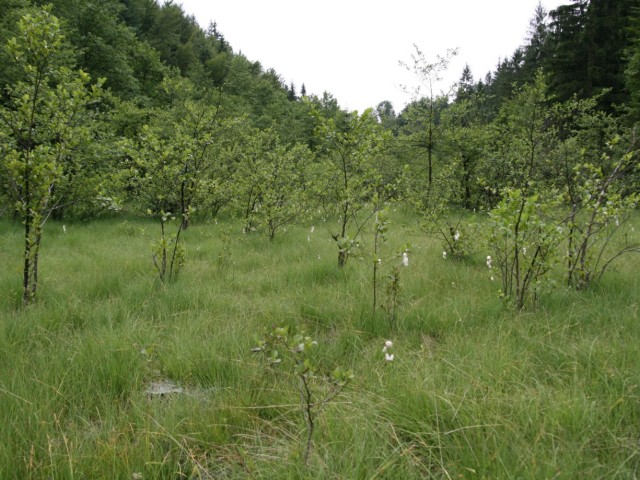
(208, 273)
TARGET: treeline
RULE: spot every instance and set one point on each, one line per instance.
(585, 49)
(110, 105)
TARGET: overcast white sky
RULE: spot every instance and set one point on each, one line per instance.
(352, 48)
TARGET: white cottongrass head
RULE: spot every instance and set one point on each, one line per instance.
(444, 254)
(405, 259)
(489, 262)
(388, 356)
(456, 237)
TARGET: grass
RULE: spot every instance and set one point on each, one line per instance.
(476, 389)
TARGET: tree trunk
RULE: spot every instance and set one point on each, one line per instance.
(342, 258)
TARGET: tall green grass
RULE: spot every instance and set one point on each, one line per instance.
(476, 389)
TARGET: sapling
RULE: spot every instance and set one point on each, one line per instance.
(600, 208)
(438, 220)
(168, 253)
(381, 228)
(523, 242)
(393, 291)
(293, 348)
(198, 128)
(224, 257)
(394, 288)
(428, 73)
(349, 182)
(155, 179)
(456, 238)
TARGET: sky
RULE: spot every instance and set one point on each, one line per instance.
(353, 48)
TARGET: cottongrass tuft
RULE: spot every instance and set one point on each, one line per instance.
(388, 356)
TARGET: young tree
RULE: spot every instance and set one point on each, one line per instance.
(523, 244)
(348, 180)
(428, 74)
(523, 237)
(269, 181)
(155, 177)
(523, 139)
(197, 130)
(465, 138)
(41, 122)
(601, 200)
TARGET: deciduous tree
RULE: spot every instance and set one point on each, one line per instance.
(42, 121)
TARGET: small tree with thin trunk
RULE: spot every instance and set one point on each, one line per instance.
(428, 74)
(602, 202)
(350, 181)
(269, 181)
(41, 122)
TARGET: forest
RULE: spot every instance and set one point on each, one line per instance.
(207, 272)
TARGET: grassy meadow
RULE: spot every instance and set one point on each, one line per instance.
(475, 390)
